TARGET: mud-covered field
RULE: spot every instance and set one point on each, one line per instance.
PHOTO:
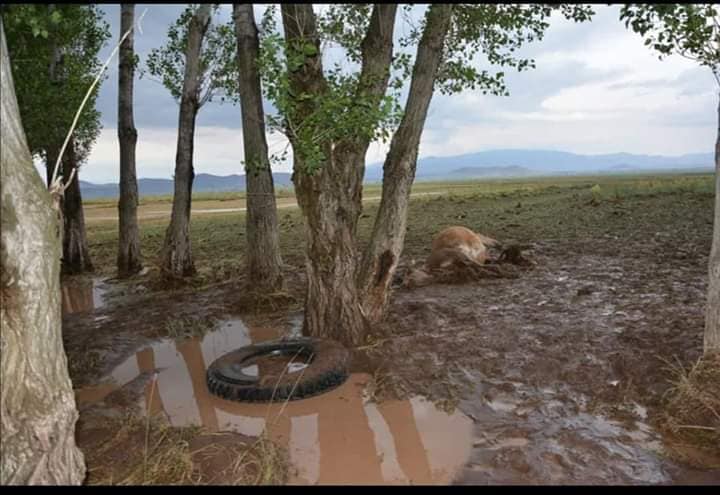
(563, 370)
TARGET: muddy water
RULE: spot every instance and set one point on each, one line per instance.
(531, 436)
(335, 438)
(83, 295)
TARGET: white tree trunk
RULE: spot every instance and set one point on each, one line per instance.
(37, 405)
(712, 315)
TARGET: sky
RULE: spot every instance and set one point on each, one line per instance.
(596, 89)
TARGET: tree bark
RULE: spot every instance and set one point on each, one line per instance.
(37, 405)
(331, 198)
(129, 259)
(712, 315)
(381, 258)
(177, 251)
(263, 246)
(76, 258)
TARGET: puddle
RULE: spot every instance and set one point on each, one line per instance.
(554, 445)
(335, 438)
(83, 295)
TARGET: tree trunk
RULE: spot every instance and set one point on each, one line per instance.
(129, 258)
(386, 244)
(37, 405)
(332, 308)
(177, 252)
(263, 245)
(331, 198)
(75, 250)
(712, 315)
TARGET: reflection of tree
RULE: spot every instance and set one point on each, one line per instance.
(77, 297)
(146, 364)
(410, 450)
(346, 442)
(192, 354)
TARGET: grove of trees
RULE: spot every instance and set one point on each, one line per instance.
(330, 111)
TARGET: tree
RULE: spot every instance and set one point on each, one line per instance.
(263, 257)
(54, 60)
(37, 405)
(692, 31)
(195, 65)
(331, 116)
(129, 257)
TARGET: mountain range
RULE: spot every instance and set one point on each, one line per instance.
(519, 163)
(484, 164)
(161, 187)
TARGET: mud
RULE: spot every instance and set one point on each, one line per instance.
(562, 370)
(336, 438)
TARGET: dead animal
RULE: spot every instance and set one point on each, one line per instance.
(454, 248)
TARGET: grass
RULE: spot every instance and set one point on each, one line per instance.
(142, 452)
(490, 185)
(692, 412)
(521, 210)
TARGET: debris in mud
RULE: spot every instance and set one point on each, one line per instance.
(186, 327)
(253, 301)
(462, 272)
(514, 254)
(510, 263)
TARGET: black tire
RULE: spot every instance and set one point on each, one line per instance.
(328, 368)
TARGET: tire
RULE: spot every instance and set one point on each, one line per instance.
(327, 369)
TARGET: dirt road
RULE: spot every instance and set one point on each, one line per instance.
(108, 212)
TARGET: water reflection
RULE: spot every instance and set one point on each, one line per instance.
(82, 295)
(335, 438)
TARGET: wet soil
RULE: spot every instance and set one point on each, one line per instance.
(561, 371)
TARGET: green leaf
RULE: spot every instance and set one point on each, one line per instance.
(55, 17)
(310, 50)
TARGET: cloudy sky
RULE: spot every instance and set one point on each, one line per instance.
(596, 89)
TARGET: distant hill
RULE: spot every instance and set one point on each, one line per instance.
(485, 164)
(509, 163)
(160, 187)
(510, 171)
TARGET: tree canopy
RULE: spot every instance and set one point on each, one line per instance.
(689, 30)
(343, 109)
(218, 64)
(67, 37)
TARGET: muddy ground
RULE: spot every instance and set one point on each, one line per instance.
(563, 370)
